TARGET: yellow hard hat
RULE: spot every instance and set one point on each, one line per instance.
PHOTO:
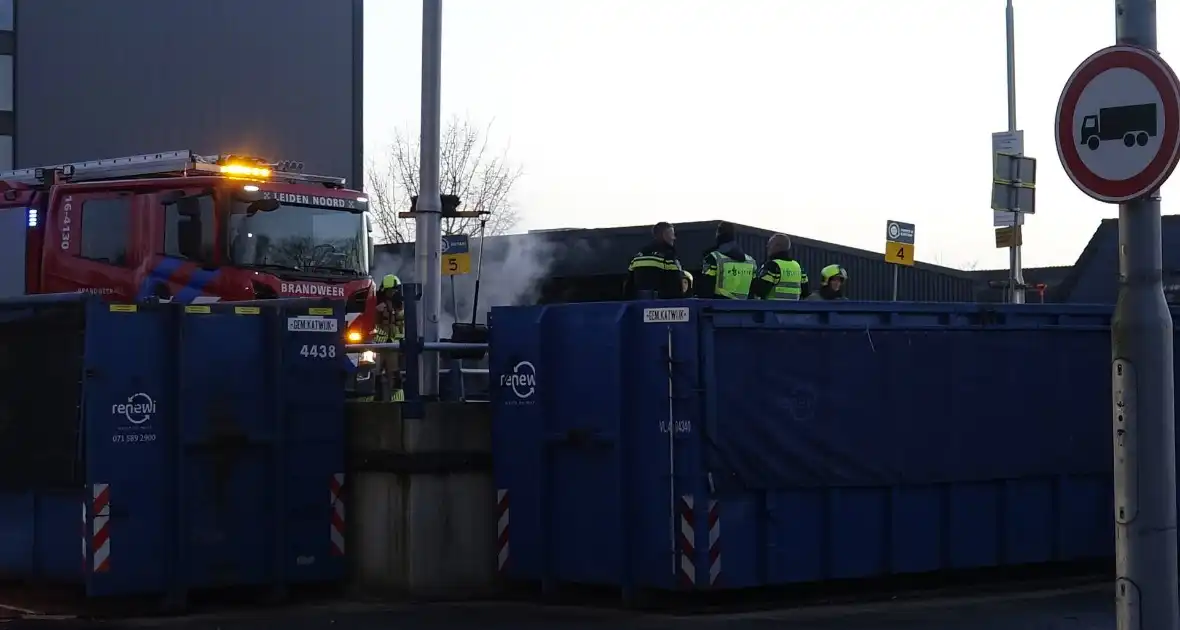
(832, 271)
(390, 281)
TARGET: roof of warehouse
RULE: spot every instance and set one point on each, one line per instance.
(602, 251)
(1066, 278)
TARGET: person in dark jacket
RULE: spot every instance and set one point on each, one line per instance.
(656, 268)
(834, 277)
(726, 271)
(780, 277)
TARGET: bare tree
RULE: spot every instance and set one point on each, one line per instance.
(482, 181)
(301, 251)
(296, 251)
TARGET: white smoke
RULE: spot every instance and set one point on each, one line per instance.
(514, 269)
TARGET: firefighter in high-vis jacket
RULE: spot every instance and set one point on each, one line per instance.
(391, 326)
(834, 277)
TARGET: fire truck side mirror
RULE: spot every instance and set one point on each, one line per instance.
(262, 205)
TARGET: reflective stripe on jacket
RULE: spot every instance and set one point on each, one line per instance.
(383, 334)
(653, 261)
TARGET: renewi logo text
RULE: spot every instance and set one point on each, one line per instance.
(138, 409)
(522, 381)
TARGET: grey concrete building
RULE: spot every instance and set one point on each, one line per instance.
(280, 79)
(7, 83)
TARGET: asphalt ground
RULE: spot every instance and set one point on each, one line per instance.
(1084, 607)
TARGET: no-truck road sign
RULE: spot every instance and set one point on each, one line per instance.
(1118, 124)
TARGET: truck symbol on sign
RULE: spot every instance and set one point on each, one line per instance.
(1133, 123)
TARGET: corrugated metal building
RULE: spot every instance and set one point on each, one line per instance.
(1093, 279)
(590, 265)
(1095, 276)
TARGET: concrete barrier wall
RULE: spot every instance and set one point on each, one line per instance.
(422, 500)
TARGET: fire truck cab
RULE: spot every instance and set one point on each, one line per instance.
(177, 226)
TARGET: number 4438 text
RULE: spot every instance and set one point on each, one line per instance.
(322, 351)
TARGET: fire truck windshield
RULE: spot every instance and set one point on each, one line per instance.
(299, 238)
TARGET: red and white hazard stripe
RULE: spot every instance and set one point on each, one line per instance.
(502, 518)
(100, 539)
(686, 541)
(714, 542)
(337, 487)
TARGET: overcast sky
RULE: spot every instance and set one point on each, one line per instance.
(818, 118)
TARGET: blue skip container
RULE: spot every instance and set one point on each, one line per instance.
(192, 448)
(688, 445)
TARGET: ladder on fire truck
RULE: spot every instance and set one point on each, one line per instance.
(169, 164)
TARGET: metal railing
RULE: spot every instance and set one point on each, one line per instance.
(412, 347)
(444, 347)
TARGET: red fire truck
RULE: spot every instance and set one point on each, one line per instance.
(177, 226)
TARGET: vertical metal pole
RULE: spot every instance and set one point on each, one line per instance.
(407, 358)
(1144, 399)
(895, 270)
(454, 300)
(428, 225)
(674, 516)
(1015, 264)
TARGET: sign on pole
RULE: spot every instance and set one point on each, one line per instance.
(1014, 184)
(456, 255)
(1118, 124)
(1010, 143)
(899, 243)
(1009, 237)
